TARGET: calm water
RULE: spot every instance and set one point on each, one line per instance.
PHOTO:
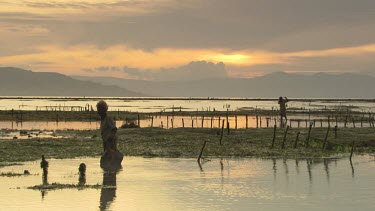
(177, 122)
(179, 184)
(186, 104)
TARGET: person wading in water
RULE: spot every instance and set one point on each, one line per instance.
(282, 102)
(108, 130)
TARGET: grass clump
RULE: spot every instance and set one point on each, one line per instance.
(11, 174)
(58, 186)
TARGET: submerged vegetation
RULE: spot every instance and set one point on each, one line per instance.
(58, 186)
(11, 174)
(187, 142)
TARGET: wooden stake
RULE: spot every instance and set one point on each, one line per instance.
(247, 120)
(228, 128)
(274, 136)
(295, 142)
(308, 136)
(285, 134)
(167, 122)
(346, 121)
(351, 151)
(183, 123)
(200, 154)
(202, 121)
(326, 139)
(222, 132)
(336, 131)
(139, 122)
(235, 117)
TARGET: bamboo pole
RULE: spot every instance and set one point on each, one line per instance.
(351, 151)
(247, 121)
(202, 121)
(274, 136)
(295, 142)
(308, 136)
(228, 127)
(200, 154)
(235, 117)
(285, 134)
(326, 139)
(222, 132)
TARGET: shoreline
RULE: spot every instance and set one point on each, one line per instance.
(183, 98)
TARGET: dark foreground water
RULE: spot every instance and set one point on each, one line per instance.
(180, 184)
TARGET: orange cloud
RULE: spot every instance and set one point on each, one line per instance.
(71, 60)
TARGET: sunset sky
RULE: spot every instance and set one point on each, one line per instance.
(251, 37)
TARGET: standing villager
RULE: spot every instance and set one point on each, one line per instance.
(108, 130)
(282, 102)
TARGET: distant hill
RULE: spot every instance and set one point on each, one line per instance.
(320, 85)
(19, 82)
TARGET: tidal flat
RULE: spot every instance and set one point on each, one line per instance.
(187, 143)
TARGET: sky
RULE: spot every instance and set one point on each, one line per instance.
(164, 39)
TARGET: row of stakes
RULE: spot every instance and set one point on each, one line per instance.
(324, 147)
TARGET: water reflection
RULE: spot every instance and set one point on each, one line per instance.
(326, 168)
(179, 184)
(351, 165)
(108, 191)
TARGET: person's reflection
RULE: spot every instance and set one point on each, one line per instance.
(326, 168)
(351, 165)
(45, 183)
(108, 192)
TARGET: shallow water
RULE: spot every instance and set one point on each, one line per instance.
(168, 122)
(179, 184)
(160, 104)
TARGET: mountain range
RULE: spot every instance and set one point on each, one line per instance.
(319, 85)
(20, 82)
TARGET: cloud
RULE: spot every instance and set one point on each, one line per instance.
(71, 60)
(154, 34)
(271, 25)
(195, 70)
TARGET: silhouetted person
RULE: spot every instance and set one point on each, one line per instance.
(282, 102)
(44, 166)
(82, 174)
(108, 130)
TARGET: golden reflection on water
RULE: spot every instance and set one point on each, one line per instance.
(180, 184)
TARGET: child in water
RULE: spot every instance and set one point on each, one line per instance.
(108, 130)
